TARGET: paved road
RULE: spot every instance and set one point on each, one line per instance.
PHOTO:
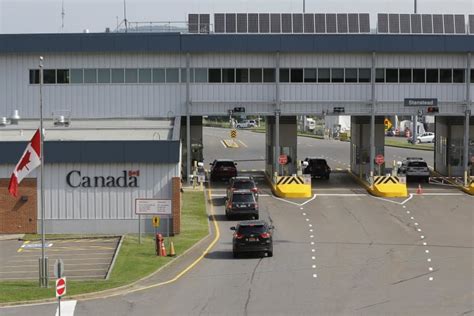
(341, 253)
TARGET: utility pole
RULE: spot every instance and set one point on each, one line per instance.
(304, 6)
(415, 7)
(125, 15)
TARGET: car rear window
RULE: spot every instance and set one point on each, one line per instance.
(254, 229)
(417, 164)
(243, 185)
(243, 198)
(318, 162)
(225, 164)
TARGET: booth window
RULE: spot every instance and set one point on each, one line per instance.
(418, 75)
(351, 75)
(90, 75)
(365, 74)
(228, 75)
(391, 75)
(159, 75)
(34, 76)
(432, 75)
(379, 75)
(268, 75)
(405, 75)
(284, 75)
(446, 75)
(255, 75)
(324, 75)
(310, 75)
(103, 75)
(172, 75)
(337, 75)
(214, 75)
(297, 75)
(458, 76)
(144, 75)
(242, 75)
(118, 75)
(200, 75)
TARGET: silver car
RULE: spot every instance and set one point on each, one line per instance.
(415, 169)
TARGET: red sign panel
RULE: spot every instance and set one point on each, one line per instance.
(379, 159)
(283, 159)
(60, 287)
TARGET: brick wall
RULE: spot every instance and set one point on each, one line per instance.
(176, 205)
(16, 215)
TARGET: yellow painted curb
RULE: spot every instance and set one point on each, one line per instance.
(229, 143)
(469, 189)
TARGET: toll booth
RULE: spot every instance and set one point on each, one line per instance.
(288, 131)
(196, 142)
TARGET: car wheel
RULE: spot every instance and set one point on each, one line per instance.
(418, 141)
(270, 253)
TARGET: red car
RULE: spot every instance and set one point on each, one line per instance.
(223, 169)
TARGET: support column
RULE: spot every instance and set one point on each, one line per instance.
(188, 122)
(372, 123)
(277, 114)
(467, 122)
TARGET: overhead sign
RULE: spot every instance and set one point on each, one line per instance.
(387, 123)
(239, 109)
(60, 287)
(420, 102)
(152, 207)
(283, 159)
(156, 221)
(379, 159)
(233, 133)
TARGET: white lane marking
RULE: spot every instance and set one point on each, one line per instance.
(313, 266)
(67, 308)
(307, 219)
(424, 243)
(313, 258)
(412, 217)
(395, 202)
(315, 275)
(311, 230)
(418, 229)
(304, 214)
(222, 142)
(430, 278)
(311, 236)
(416, 224)
(430, 268)
(310, 225)
(301, 208)
(291, 202)
(224, 195)
(314, 196)
(443, 194)
(427, 251)
(312, 243)
(340, 194)
(429, 259)
(422, 237)
(313, 250)
(242, 143)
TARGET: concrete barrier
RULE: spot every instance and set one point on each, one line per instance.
(388, 186)
(292, 187)
(469, 189)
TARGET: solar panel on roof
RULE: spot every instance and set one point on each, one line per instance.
(364, 23)
(459, 24)
(286, 23)
(264, 22)
(448, 23)
(193, 23)
(230, 22)
(427, 23)
(382, 23)
(341, 23)
(471, 24)
(405, 23)
(275, 26)
(204, 21)
(297, 23)
(309, 23)
(438, 24)
(393, 23)
(415, 23)
(219, 23)
(353, 19)
(252, 22)
(331, 24)
(241, 22)
(320, 23)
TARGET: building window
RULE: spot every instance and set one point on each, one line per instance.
(365, 74)
(432, 75)
(118, 75)
(214, 75)
(405, 75)
(458, 76)
(380, 75)
(159, 75)
(255, 75)
(472, 75)
(391, 75)
(310, 75)
(62, 76)
(144, 75)
(34, 76)
(446, 75)
(284, 75)
(183, 75)
(49, 76)
(90, 75)
(241, 75)
(419, 75)
(103, 75)
(268, 75)
(324, 75)
(337, 75)
(351, 75)
(228, 75)
(77, 76)
(200, 75)
(172, 75)
(131, 75)
(297, 75)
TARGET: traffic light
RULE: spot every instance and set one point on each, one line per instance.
(339, 110)
(432, 109)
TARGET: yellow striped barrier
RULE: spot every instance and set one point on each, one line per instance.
(389, 186)
(292, 186)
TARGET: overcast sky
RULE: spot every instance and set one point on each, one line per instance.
(44, 16)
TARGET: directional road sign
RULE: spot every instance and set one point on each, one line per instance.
(156, 221)
(60, 287)
(233, 133)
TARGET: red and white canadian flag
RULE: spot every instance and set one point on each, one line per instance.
(28, 162)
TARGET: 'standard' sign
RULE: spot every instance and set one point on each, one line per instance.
(127, 179)
(420, 102)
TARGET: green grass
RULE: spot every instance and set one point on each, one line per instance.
(401, 144)
(134, 261)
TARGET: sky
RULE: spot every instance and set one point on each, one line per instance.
(44, 16)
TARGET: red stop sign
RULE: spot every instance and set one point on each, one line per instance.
(379, 159)
(60, 287)
(283, 159)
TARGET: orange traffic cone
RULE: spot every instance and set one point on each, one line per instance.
(163, 250)
(419, 190)
(172, 252)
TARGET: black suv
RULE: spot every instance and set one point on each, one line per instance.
(317, 167)
(252, 236)
(223, 169)
(243, 203)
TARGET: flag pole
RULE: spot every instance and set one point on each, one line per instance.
(44, 264)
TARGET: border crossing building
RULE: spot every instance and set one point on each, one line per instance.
(131, 104)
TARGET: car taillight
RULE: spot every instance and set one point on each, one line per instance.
(238, 236)
(265, 235)
(255, 190)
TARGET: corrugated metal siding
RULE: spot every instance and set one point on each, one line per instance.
(444, 92)
(233, 92)
(325, 92)
(325, 60)
(421, 61)
(233, 60)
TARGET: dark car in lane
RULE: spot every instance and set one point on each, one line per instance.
(317, 168)
(241, 203)
(242, 183)
(252, 237)
(223, 169)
